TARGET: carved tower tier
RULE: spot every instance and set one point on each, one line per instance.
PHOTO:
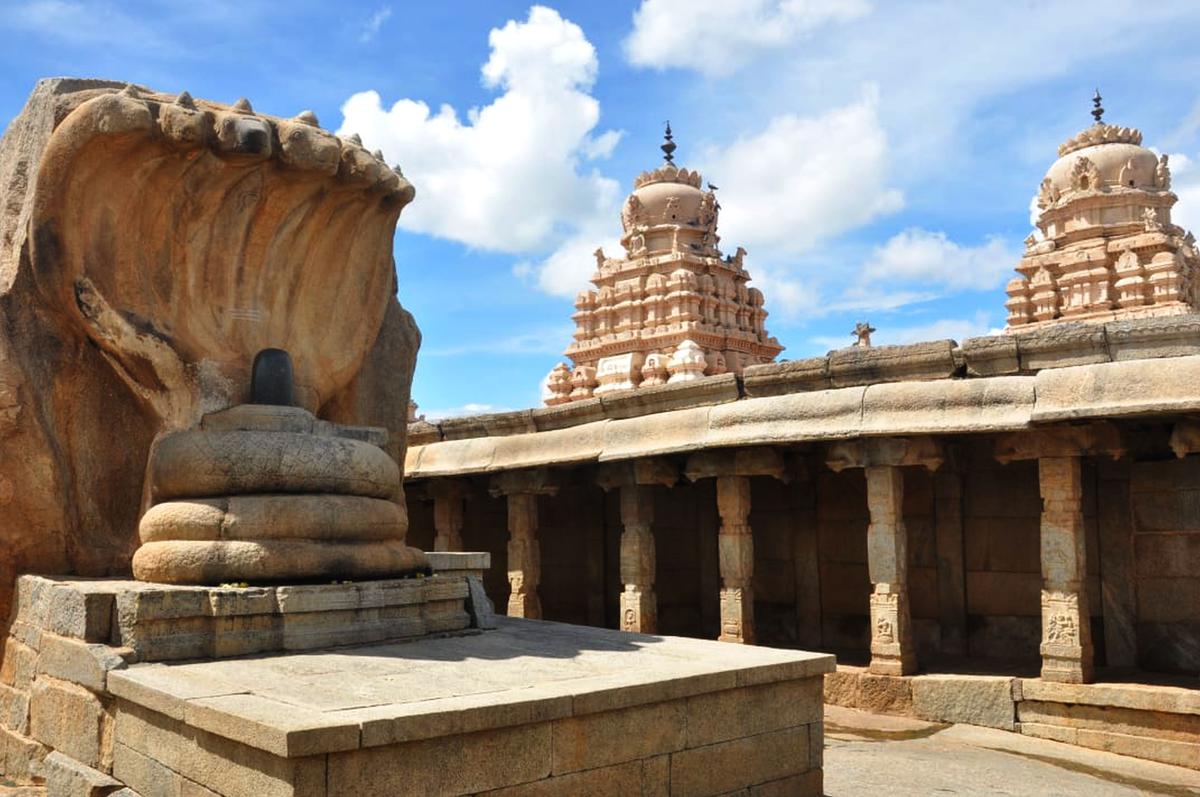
(1107, 248)
(674, 308)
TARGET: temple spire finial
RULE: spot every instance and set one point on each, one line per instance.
(1098, 109)
(668, 146)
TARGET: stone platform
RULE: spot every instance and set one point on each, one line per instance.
(1155, 721)
(531, 708)
(385, 687)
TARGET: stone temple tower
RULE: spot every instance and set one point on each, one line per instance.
(1107, 249)
(674, 308)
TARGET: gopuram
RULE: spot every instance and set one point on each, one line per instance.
(1000, 531)
(209, 583)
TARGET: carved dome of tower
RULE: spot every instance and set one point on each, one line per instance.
(1103, 156)
(667, 195)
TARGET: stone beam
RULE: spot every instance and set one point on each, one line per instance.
(892, 648)
(885, 452)
(736, 550)
(760, 461)
(1094, 439)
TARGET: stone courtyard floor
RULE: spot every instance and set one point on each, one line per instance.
(899, 757)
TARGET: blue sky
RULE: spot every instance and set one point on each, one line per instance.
(877, 159)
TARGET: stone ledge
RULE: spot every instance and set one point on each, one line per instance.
(1141, 697)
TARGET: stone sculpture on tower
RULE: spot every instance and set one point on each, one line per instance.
(674, 308)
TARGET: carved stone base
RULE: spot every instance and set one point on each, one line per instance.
(892, 649)
(1066, 648)
(525, 604)
(737, 615)
(639, 610)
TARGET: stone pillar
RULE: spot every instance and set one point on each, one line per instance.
(448, 495)
(524, 556)
(892, 649)
(1066, 621)
(639, 604)
(736, 550)
(636, 480)
(522, 489)
(735, 545)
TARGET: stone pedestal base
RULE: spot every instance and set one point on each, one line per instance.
(639, 610)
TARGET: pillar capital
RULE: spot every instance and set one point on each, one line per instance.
(1185, 437)
(1093, 439)
(540, 481)
(759, 461)
(648, 471)
(885, 451)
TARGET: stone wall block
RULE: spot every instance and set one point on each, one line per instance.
(83, 663)
(80, 613)
(66, 777)
(610, 737)
(974, 700)
(72, 720)
(721, 768)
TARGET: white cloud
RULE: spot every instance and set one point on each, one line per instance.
(567, 270)
(931, 258)
(371, 29)
(717, 36)
(507, 178)
(804, 179)
(1185, 182)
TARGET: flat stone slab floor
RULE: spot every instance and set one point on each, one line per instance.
(901, 757)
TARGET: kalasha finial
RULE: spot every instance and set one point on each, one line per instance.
(668, 146)
(1098, 110)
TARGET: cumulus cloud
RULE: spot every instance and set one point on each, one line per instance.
(717, 36)
(508, 177)
(804, 179)
(920, 256)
